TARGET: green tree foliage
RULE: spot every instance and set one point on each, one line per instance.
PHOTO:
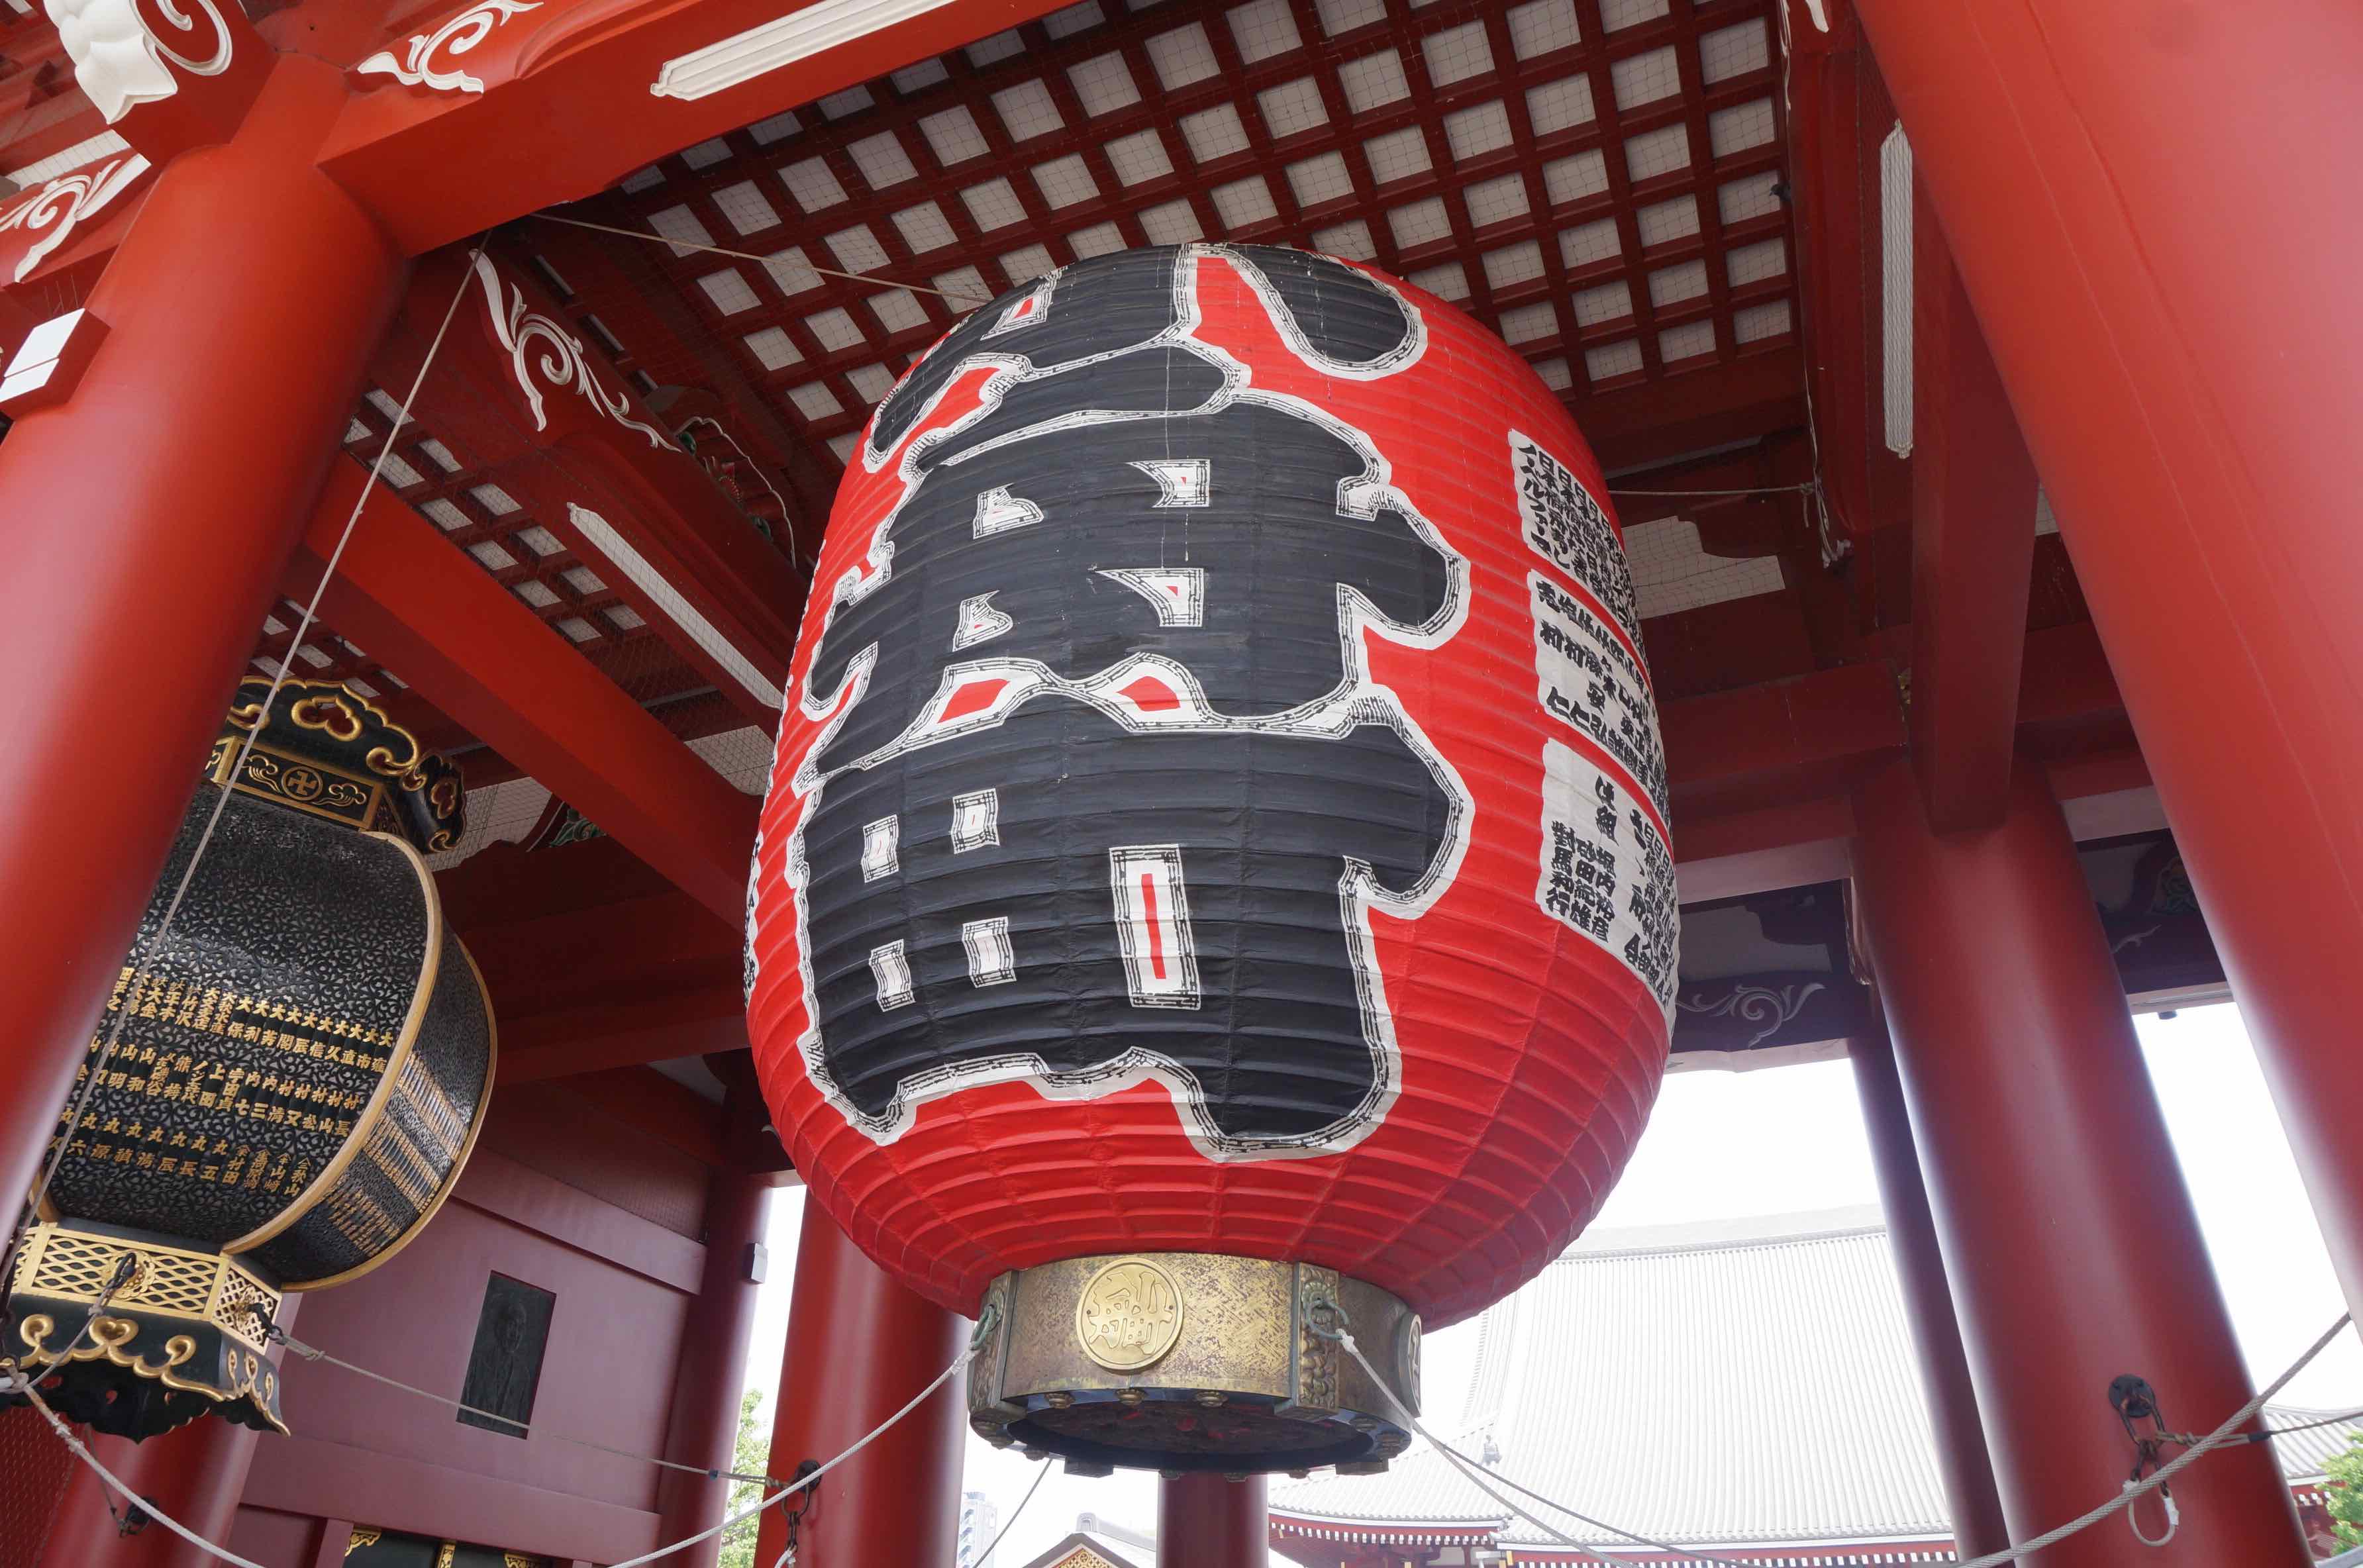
(2345, 1492)
(752, 1454)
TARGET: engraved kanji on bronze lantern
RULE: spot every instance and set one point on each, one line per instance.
(303, 1065)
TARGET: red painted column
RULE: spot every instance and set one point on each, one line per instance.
(2069, 1239)
(196, 1474)
(1971, 1500)
(147, 520)
(2184, 371)
(711, 1372)
(1205, 1521)
(859, 1346)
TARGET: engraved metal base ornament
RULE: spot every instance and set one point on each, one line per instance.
(1193, 1362)
(183, 1336)
(302, 1065)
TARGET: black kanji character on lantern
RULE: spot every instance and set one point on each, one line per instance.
(1081, 881)
(1130, 300)
(1064, 895)
(1136, 503)
(1215, 540)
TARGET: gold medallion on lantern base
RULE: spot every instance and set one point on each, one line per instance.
(1194, 1360)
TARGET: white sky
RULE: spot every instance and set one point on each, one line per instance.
(1731, 1145)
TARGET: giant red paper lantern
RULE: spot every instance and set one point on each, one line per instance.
(1222, 817)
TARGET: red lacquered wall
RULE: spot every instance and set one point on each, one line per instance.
(625, 1287)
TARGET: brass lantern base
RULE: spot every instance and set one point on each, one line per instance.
(184, 1334)
(1193, 1361)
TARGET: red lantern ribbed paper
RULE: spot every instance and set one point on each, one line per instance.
(1220, 809)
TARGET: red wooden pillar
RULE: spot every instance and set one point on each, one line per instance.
(713, 1370)
(147, 520)
(859, 1346)
(196, 1474)
(1205, 1521)
(2070, 1244)
(2183, 368)
(1969, 1494)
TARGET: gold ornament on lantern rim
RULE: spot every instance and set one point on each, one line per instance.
(1191, 1361)
(1128, 1315)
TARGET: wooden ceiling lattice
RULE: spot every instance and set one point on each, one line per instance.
(496, 514)
(499, 525)
(1599, 181)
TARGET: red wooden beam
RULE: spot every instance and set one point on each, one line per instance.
(1972, 548)
(623, 282)
(502, 886)
(1782, 743)
(644, 1099)
(658, 942)
(578, 95)
(1697, 411)
(481, 657)
(607, 1034)
(2068, 697)
(1839, 292)
(609, 454)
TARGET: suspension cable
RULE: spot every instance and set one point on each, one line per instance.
(80, 1104)
(2132, 1491)
(22, 1381)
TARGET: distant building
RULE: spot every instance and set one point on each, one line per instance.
(1099, 1542)
(980, 1522)
(1096, 1542)
(1745, 1388)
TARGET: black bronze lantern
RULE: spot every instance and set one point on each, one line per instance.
(302, 1067)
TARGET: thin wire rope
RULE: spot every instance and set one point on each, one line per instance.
(750, 256)
(2130, 1492)
(75, 1446)
(1834, 549)
(523, 1429)
(1041, 1474)
(125, 1267)
(157, 946)
(23, 1383)
(1757, 490)
(2341, 1418)
(975, 1343)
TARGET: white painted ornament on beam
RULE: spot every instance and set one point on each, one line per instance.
(564, 362)
(670, 602)
(122, 63)
(815, 29)
(63, 202)
(419, 67)
(50, 362)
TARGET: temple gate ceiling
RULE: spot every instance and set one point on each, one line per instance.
(1660, 215)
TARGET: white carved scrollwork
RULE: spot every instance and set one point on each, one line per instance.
(64, 202)
(1756, 1004)
(561, 359)
(122, 62)
(418, 68)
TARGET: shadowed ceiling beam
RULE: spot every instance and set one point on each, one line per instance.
(431, 614)
(578, 93)
(1830, 76)
(1972, 549)
(1676, 416)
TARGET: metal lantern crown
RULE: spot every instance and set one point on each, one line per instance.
(1216, 879)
